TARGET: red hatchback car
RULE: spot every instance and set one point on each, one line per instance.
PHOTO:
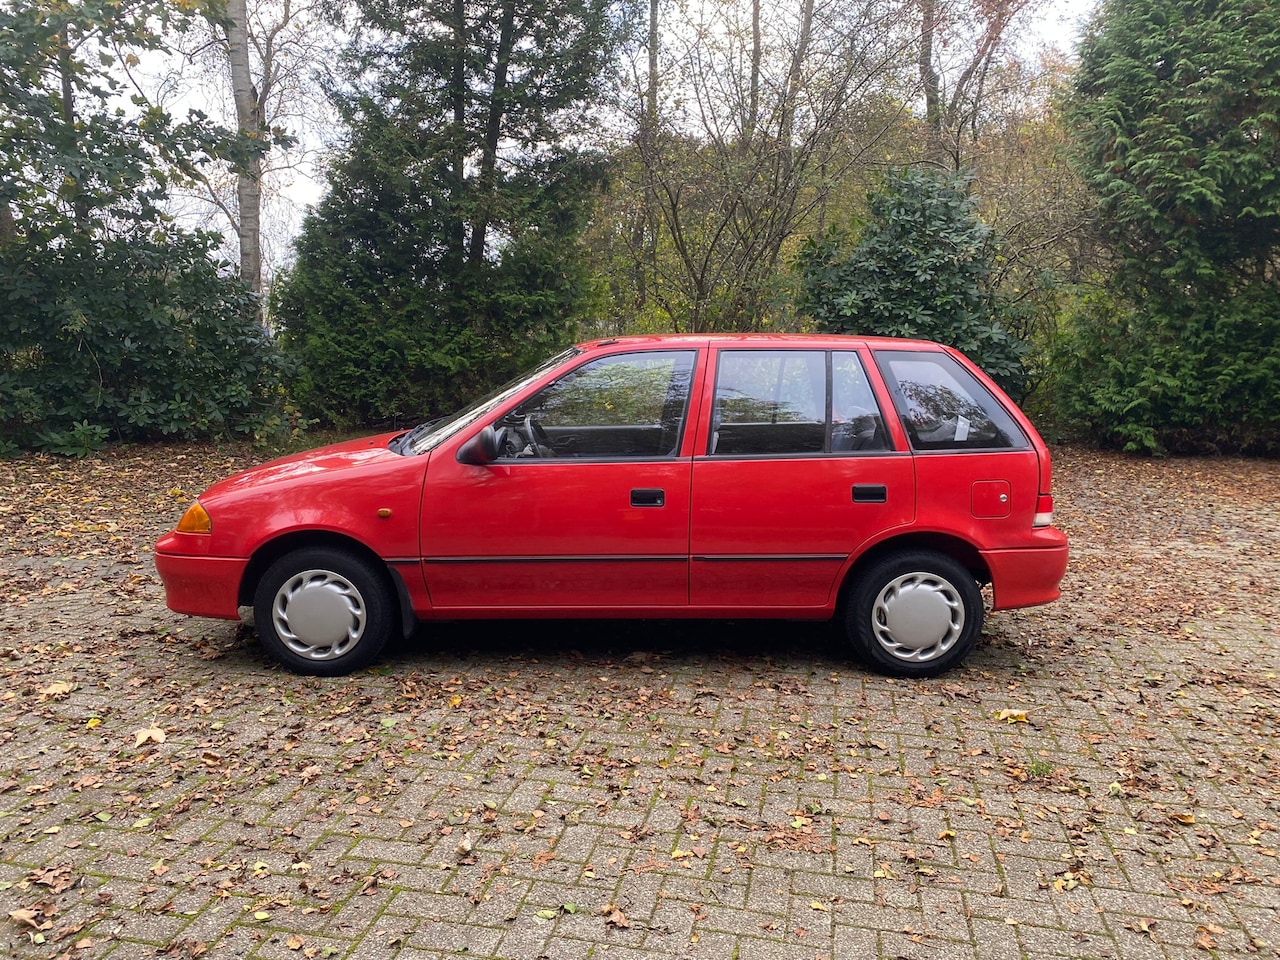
(805, 477)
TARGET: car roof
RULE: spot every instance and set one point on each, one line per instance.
(832, 340)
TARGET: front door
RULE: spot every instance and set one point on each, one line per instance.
(587, 505)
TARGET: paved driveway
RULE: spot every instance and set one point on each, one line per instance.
(1101, 780)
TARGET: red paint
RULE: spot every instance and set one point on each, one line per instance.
(769, 536)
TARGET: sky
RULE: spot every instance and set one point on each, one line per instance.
(1062, 22)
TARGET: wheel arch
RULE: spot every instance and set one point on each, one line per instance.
(271, 551)
(957, 548)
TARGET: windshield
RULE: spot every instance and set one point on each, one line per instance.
(424, 440)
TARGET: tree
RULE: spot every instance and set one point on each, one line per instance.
(1177, 108)
(1177, 119)
(921, 267)
(253, 66)
(962, 42)
(446, 251)
(114, 323)
(249, 115)
(738, 146)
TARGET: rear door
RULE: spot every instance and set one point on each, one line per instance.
(795, 471)
(978, 472)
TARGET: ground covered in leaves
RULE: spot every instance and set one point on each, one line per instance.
(1101, 779)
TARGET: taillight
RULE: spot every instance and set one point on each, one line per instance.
(1044, 511)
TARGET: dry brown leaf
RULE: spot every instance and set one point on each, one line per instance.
(614, 917)
(38, 917)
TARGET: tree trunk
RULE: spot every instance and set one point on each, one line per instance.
(786, 128)
(8, 229)
(493, 129)
(457, 229)
(929, 79)
(753, 98)
(248, 171)
(79, 204)
(644, 228)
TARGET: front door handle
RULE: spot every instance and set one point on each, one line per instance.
(648, 497)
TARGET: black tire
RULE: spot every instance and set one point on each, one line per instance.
(324, 612)
(915, 613)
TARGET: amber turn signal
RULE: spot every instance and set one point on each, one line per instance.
(195, 520)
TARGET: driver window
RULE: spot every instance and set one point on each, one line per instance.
(621, 406)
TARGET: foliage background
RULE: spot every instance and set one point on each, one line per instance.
(503, 176)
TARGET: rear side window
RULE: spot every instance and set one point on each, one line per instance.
(943, 406)
(786, 402)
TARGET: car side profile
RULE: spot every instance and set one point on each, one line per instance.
(877, 481)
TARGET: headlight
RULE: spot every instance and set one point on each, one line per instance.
(195, 520)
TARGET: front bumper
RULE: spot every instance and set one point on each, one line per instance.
(201, 586)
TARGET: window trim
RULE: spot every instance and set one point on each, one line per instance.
(713, 420)
(691, 353)
(882, 360)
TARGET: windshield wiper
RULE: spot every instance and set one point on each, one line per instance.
(402, 445)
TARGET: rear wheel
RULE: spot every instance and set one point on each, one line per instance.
(916, 613)
(323, 611)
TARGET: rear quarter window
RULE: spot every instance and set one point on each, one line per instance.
(943, 406)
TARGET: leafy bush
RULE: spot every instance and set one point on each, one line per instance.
(1174, 121)
(1206, 380)
(133, 339)
(921, 267)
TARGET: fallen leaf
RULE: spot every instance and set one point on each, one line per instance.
(38, 917)
(148, 734)
(1012, 716)
(613, 917)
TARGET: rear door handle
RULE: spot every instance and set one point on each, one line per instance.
(870, 493)
(648, 497)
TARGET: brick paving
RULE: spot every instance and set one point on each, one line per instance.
(1100, 780)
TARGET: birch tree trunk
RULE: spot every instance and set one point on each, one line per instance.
(248, 171)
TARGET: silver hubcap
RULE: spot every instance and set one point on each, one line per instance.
(918, 617)
(318, 614)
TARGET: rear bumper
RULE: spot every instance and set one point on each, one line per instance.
(201, 586)
(1028, 576)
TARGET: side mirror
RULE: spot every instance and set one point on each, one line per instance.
(480, 450)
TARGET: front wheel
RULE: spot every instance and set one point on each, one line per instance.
(916, 613)
(324, 612)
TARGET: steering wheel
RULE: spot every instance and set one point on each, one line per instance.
(537, 437)
(507, 447)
